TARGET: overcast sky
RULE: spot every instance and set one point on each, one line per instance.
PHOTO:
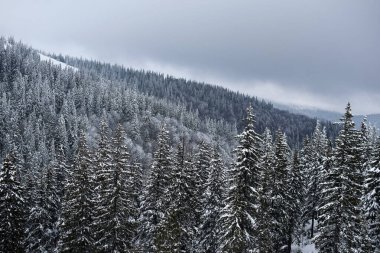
(320, 53)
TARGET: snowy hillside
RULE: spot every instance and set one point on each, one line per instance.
(55, 62)
(91, 163)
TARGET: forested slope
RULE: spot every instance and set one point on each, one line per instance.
(208, 101)
(98, 158)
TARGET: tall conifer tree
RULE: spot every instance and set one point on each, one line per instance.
(239, 216)
(12, 208)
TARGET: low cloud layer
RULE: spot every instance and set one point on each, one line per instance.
(316, 53)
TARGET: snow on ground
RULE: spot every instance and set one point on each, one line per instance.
(304, 249)
(306, 245)
(55, 62)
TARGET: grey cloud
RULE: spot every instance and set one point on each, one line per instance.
(328, 49)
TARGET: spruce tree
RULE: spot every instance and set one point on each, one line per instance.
(12, 208)
(119, 214)
(280, 194)
(367, 144)
(42, 231)
(239, 216)
(177, 228)
(342, 225)
(327, 239)
(314, 150)
(103, 186)
(295, 200)
(212, 201)
(203, 159)
(201, 172)
(265, 222)
(154, 204)
(372, 197)
(77, 210)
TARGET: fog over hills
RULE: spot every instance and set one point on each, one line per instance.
(313, 112)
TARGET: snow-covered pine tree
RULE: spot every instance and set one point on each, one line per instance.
(119, 213)
(202, 163)
(239, 216)
(342, 225)
(177, 229)
(77, 210)
(265, 221)
(103, 187)
(366, 143)
(326, 240)
(42, 229)
(61, 172)
(135, 190)
(212, 201)
(12, 208)
(153, 205)
(201, 171)
(296, 186)
(315, 150)
(280, 194)
(372, 197)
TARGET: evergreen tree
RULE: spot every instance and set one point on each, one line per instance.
(342, 226)
(314, 150)
(265, 222)
(154, 204)
(12, 208)
(212, 201)
(372, 198)
(203, 160)
(201, 173)
(296, 186)
(62, 172)
(239, 216)
(77, 210)
(176, 230)
(119, 213)
(326, 240)
(367, 144)
(42, 231)
(280, 194)
(103, 186)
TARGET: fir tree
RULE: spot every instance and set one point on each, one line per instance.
(372, 197)
(280, 194)
(327, 239)
(103, 186)
(367, 144)
(203, 159)
(77, 211)
(239, 216)
(314, 150)
(176, 230)
(212, 200)
(154, 204)
(342, 226)
(119, 212)
(42, 231)
(296, 186)
(265, 222)
(201, 172)
(12, 208)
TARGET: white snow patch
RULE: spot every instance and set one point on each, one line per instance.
(55, 62)
(6, 45)
(310, 248)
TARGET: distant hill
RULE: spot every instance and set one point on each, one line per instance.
(312, 112)
(206, 100)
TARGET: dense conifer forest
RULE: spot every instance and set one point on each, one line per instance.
(100, 158)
